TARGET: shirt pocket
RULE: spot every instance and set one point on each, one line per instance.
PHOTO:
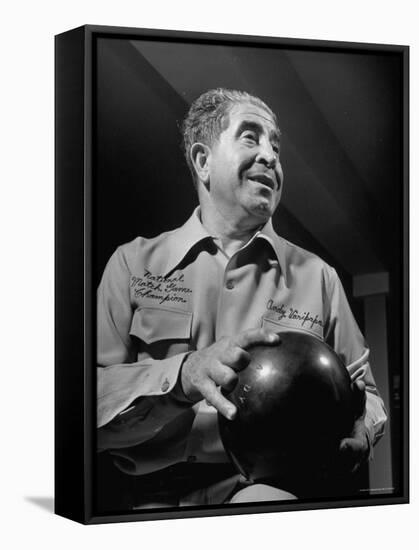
(279, 326)
(161, 332)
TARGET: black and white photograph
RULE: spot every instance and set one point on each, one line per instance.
(209, 275)
(247, 216)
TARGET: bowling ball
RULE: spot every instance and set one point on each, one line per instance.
(294, 405)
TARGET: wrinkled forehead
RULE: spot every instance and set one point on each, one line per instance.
(254, 115)
(241, 112)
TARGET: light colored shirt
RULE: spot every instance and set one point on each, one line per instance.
(161, 298)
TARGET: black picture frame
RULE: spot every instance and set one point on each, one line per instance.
(80, 257)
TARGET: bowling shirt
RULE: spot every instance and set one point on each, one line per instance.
(162, 298)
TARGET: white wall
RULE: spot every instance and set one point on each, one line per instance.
(27, 272)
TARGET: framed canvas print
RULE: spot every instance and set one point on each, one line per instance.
(231, 274)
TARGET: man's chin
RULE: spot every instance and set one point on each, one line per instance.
(263, 210)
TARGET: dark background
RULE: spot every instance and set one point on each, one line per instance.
(340, 115)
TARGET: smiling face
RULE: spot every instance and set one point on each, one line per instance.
(245, 175)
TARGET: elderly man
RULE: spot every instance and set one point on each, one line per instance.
(176, 314)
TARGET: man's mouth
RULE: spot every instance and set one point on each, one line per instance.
(264, 179)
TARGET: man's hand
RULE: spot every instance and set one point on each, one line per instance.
(203, 371)
(354, 450)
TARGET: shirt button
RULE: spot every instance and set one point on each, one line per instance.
(230, 285)
(165, 386)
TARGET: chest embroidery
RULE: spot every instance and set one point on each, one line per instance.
(301, 318)
(160, 289)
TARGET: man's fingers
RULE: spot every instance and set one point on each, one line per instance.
(346, 445)
(214, 397)
(225, 377)
(358, 388)
(358, 385)
(256, 336)
(350, 454)
(236, 358)
(216, 365)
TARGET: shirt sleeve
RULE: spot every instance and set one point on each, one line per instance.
(343, 334)
(135, 399)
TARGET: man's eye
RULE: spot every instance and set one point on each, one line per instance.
(275, 149)
(251, 136)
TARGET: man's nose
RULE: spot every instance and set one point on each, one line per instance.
(266, 154)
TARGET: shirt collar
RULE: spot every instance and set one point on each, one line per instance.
(184, 238)
(193, 232)
(277, 243)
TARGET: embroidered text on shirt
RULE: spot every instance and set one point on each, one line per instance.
(160, 288)
(294, 314)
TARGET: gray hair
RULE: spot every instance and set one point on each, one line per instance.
(207, 118)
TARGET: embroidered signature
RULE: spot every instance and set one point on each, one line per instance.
(305, 317)
(160, 288)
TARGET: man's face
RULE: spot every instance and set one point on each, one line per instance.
(245, 175)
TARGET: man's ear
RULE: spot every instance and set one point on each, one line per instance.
(200, 154)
